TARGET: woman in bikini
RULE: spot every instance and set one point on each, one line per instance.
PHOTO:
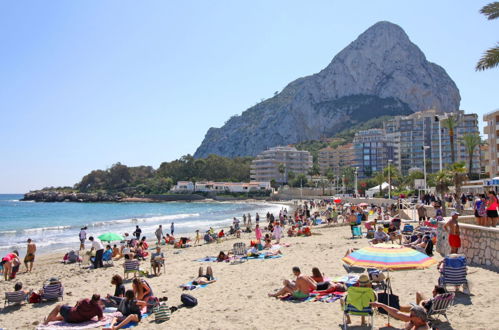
(492, 205)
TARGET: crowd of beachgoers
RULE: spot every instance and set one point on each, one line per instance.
(144, 274)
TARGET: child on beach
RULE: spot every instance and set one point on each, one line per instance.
(196, 241)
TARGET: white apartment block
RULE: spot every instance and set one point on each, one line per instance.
(266, 165)
(491, 129)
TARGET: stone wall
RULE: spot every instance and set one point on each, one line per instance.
(479, 244)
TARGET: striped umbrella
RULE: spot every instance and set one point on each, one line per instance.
(389, 257)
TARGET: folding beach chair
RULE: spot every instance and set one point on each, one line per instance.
(84, 259)
(454, 273)
(408, 229)
(357, 302)
(440, 304)
(16, 297)
(356, 232)
(108, 260)
(52, 291)
(131, 266)
(239, 251)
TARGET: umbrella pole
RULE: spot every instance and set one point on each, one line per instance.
(389, 286)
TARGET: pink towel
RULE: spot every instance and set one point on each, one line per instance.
(76, 326)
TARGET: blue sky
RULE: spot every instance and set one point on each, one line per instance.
(85, 84)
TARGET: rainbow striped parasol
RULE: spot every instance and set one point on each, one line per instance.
(389, 257)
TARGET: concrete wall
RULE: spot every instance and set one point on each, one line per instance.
(479, 244)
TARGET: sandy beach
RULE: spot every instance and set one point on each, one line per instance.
(239, 297)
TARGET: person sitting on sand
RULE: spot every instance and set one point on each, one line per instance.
(300, 288)
(291, 231)
(268, 244)
(207, 238)
(108, 253)
(417, 319)
(394, 233)
(119, 292)
(204, 278)
(142, 289)
(157, 260)
(222, 256)
(83, 311)
(130, 308)
(379, 236)
(116, 252)
(319, 278)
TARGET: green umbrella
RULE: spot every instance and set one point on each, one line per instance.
(108, 237)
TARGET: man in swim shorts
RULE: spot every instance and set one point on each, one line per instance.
(30, 255)
(452, 227)
(300, 288)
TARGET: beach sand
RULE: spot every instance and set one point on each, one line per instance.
(238, 300)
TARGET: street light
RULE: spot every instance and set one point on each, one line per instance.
(390, 178)
(437, 119)
(424, 165)
(343, 183)
(356, 175)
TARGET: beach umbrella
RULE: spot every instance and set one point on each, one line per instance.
(337, 200)
(108, 237)
(389, 257)
(363, 204)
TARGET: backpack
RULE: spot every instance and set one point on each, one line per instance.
(188, 300)
(161, 312)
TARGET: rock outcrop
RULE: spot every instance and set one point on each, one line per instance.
(381, 73)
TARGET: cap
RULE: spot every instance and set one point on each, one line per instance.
(454, 213)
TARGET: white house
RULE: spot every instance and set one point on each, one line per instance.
(211, 186)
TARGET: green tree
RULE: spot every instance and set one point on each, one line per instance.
(471, 141)
(379, 178)
(392, 174)
(299, 181)
(451, 123)
(458, 174)
(282, 169)
(442, 180)
(348, 175)
(490, 58)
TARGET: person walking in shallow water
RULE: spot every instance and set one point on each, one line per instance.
(83, 237)
(172, 228)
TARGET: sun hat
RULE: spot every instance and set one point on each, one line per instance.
(454, 213)
(364, 279)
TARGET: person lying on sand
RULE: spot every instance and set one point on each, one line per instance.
(300, 288)
(83, 311)
(130, 308)
(204, 278)
(222, 256)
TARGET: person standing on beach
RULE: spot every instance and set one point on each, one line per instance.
(137, 232)
(172, 228)
(30, 255)
(277, 232)
(258, 233)
(257, 218)
(159, 233)
(452, 227)
(99, 251)
(83, 237)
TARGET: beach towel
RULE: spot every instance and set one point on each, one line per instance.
(129, 325)
(262, 257)
(191, 286)
(349, 280)
(311, 297)
(76, 326)
(207, 259)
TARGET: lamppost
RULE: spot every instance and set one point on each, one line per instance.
(356, 175)
(343, 183)
(390, 179)
(424, 165)
(438, 119)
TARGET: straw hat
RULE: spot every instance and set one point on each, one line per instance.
(364, 280)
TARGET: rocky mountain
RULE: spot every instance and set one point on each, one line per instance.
(380, 73)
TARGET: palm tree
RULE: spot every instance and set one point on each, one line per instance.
(282, 169)
(458, 174)
(490, 58)
(379, 178)
(451, 123)
(471, 141)
(442, 180)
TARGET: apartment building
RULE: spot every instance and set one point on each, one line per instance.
(373, 150)
(266, 165)
(336, 159)
(422, 129)
(491, 130)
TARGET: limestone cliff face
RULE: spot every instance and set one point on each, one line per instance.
(381, 73)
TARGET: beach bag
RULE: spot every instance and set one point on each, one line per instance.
(388, 298)
(188, 300)
(34, 298)
(161, 313)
